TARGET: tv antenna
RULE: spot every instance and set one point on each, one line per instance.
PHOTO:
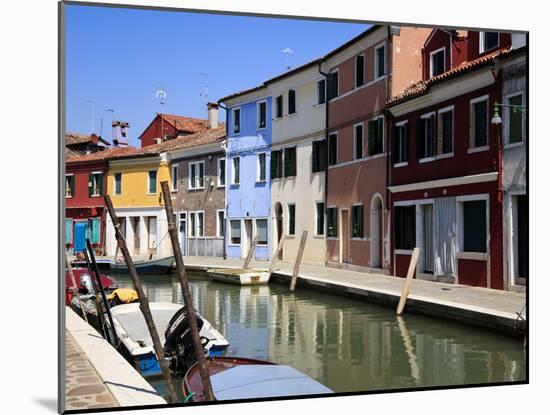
(204, 93)
(287, 51)
(92, 107)
(161, 95)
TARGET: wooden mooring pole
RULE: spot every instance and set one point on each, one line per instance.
(298, 261)
(250, 253)
(408, 280)
(75, 287)
(143, 301)
(276, 254)
(187, 301)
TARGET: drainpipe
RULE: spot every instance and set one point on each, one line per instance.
(326, 141)
(225, 149)
(389, 79)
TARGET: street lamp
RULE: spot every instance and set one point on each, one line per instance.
(496, 116)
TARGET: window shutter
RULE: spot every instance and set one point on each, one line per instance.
(89, 230)
(419, 138)
(100, 183)
(380, 136)
(405, 144)
(72, 186)
(315, 157)
(293, 161)
(90, 185)
(287, 162)
(371, 137)
(322, 155)
(68, 231)
(360, 220)
(201, 174)
(394, 144)
(95, 231)
(273, 165)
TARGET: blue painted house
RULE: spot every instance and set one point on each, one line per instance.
(248, 173)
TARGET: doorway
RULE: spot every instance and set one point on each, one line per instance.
(152, 234)
(134, 222)
(80, 236)
(376, 231)
(344, 237)
(247, 242)
(279, 226)
(520, 241)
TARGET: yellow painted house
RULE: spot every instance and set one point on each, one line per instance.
(133, 183)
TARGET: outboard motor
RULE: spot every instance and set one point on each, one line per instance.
(87, 284)
(178, 347)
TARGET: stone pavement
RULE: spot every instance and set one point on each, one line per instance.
(83, 386)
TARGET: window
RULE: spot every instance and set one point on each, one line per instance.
(261, 231)
(174, 177)
(95, 184)
(118, 183)
(319, 218)
(221, 172)
(425, 136)
(291, 219)
(220, 223)
(474, 226)
(196, 175)
(69, 185)
(400, 145)
(192, 224)
(487, 41)
(236, 120)
(380, 61)
(261, 167)
(319, 156)
(152, 182)
(262, 114)
(357, 221)
(92, 231)
(376, 136)
(68, 231)
(279, 107)
(332, 222)
(437, 62)
(235, 231)
(514, 119)
(479, 122)
(359, 70)
(276, 164)
(290, 162)
(321, 92)
(333, 149)
(291, 101)
(236, 177)
(445, 131)
(358, 136)
(405, 227)
(332, 85)
(200, 223)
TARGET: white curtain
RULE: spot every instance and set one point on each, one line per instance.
(445, 232)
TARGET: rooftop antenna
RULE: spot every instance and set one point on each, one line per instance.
(112, 111)
(160, 95)
(287, 51)
(92, 105)
(204, 94)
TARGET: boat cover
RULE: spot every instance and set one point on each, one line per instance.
(263, 381)
(125, 295)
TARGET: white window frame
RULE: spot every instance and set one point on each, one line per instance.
(233, 170)
(440, 125)
(156, 180)
(482, 256)
(230, 242)
(255, 231)
(482, 42)
(332, 238)
(362, 124)
(72, 192)
(258, 180)
(218, 224)
(334, 70)
(507, 111)
(114, 183)
(96, 185)
(444, 60)
(191, 225)
(383, 136)
(288, 219)
(194, 179)
(472, 103)
(364, 71)
(218, 168)
(175, 166)
(351, 237)
(233, 117)
(197, 227)
(402, 163)
(316, 215)
(295, 102)
(377, 63)
(263, 101)
(430, 158)
(317, 103)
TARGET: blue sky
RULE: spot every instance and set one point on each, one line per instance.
(117, 58)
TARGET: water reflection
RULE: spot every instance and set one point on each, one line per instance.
(345, 344)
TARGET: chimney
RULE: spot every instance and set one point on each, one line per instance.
(212, 115)
(120, 133)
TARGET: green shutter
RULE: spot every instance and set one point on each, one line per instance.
(95, 230)
(90, 185)
(100, 183)
(68, 231)
(89, 230)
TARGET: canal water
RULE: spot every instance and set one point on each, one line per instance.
(347, 345)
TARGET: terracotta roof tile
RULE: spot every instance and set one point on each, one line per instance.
(421, 88)
(185, 124)
(72, 139)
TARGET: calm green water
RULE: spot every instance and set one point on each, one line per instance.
(345, 344)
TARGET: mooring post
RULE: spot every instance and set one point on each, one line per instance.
(187, 300)
(298, 261)
(75, 287)
(408, 280)
(98, 307)
(276, 254)
(143, 301)
(250, 252)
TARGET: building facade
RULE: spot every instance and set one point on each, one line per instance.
(248, 191)
(170, 126)
(360, 77)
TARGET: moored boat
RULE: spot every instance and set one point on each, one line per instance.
(153, 266)
(240, 276)
(84, 283)
(241, 378)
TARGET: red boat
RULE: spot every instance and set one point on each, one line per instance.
(109, 283)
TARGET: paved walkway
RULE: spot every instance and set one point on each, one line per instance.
(480, 306)
(83, 386)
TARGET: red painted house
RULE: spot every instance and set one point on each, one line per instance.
(168, 126)
(444, 170)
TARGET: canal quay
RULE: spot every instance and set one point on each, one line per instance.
(347, 344)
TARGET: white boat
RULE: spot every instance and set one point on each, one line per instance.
(240, 276)
(137, 345)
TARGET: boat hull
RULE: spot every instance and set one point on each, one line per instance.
(239, 276)
(156, 266)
